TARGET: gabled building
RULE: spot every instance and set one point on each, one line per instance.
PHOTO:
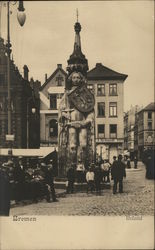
(108, 89)
(23, 100)
(145, 121)
(51, 93)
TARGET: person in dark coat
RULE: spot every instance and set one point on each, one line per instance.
(49, 180)
(55, 162)
(19, 178)
(128, 163)
(71, 179)
(4, 192)
(150, 165)
(135, 162)
(118, 172)
(98, 178)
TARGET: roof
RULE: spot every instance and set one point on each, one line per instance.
(52, 76)
(150, 107)
(100, 72)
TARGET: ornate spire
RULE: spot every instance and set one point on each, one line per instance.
(77, 61)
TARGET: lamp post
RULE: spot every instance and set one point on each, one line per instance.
(33, 110)
(21, 19)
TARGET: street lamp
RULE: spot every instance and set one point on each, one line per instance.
(21, 19)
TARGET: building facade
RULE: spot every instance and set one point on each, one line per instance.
(145, 130)
(23, 101)
(129, 130)
(51, 93)
(108, 89)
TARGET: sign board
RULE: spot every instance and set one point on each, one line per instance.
(10, 137)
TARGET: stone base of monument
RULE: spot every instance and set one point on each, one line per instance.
(78, 187)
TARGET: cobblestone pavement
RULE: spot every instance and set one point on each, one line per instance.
(137, 199)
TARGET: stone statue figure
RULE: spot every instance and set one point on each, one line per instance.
(76, 123)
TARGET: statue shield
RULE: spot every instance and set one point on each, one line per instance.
(82, 99)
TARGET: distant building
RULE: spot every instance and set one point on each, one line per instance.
(24, 123)
(145, 129)
(129, 130)
(108, 89)
(51, 93)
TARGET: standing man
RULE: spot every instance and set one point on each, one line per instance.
(135, 162)
(49, 180)
(128, 163)
(19, 178)
(90, 180)
(80, 171)
(71, 179)
(118, 172)
(106, 171)
(98, 178)
(114, 158)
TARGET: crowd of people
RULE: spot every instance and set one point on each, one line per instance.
(96, 174)
(37, 181)
(20, 182)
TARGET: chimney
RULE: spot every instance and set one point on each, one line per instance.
(26, 72)
(45, 77)
(32, 83)
(59, 66)
(98, 64)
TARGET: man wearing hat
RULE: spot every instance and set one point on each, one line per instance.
(118, 172)
(98, 178)
(71, 179)
(90, 179)
(19, 177)
(49, 181)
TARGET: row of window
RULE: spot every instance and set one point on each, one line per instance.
(53, 129)
(101, 89)
(100, 106)
(112, 109)
(112, 130)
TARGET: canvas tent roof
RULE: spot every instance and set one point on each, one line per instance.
(40, 152)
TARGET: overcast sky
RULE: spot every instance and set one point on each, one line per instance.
(119, 34)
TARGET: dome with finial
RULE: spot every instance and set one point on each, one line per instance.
(77, 61)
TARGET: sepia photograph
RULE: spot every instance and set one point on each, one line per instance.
(77, 125)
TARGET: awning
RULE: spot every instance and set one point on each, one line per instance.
(40, 152)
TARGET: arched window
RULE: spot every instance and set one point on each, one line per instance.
(53, 128)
